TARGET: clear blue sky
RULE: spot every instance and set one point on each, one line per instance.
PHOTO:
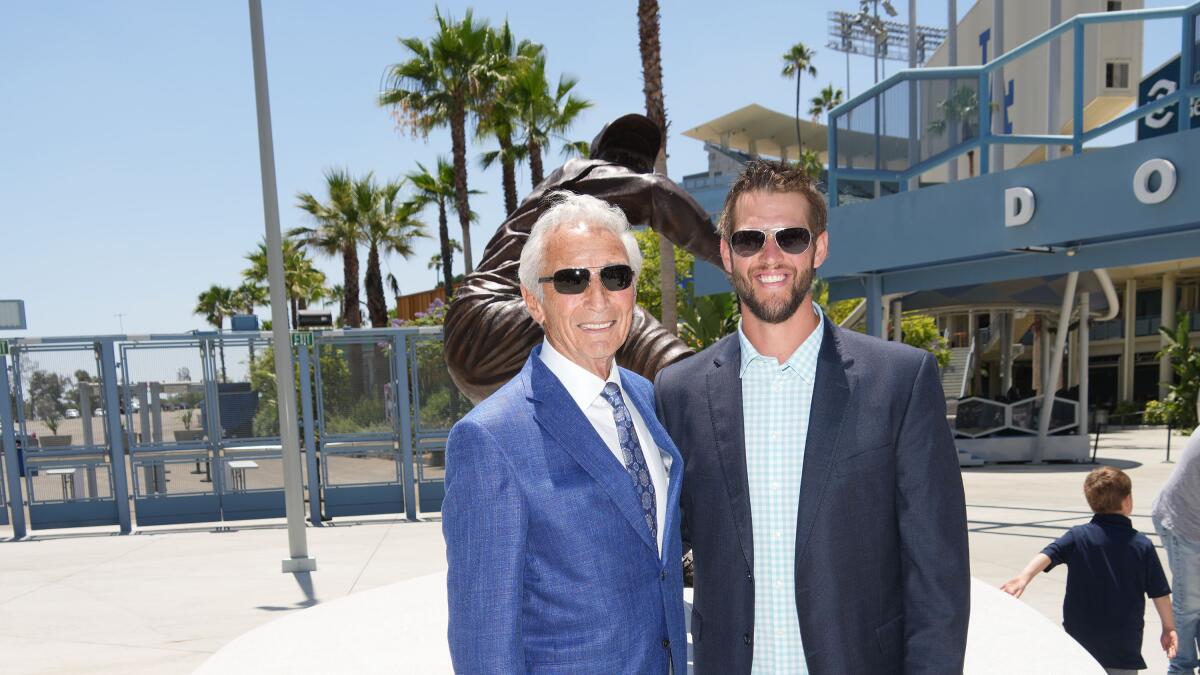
(130, 180)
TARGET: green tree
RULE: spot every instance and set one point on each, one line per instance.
(810, 163)
(303, 282)
(435, 262)
(439, 85)
(46, 390)
(341, 228)
(797, 62)
(650, 49)
(649, 288)
(1182, 404)
(214, 305)
(960, 116)
(543, 116)
(827, 100)
(392, 227)
(437, 188)
(496, 113)
(921, 331)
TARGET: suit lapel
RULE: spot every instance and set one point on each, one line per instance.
(557, 413)
(724, 386)
(663, 440)
(830, 401)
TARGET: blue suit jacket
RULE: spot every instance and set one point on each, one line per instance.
(551, 565)
(881, 571)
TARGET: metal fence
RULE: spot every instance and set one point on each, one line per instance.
(170, 429)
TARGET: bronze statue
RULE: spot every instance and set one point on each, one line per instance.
(488, 333)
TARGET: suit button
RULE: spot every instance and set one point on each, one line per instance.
(746, 638)
(749, 576)
(666, 643)
(662, 575)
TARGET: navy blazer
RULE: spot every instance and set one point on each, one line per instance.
(551, 565)
(882, 574)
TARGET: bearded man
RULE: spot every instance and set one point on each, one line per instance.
(821, 496)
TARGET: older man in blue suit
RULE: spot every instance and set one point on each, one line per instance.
(562, 489)
(821, 497)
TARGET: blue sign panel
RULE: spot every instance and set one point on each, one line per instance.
(1160, 83)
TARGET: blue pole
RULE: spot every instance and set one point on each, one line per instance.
(1077, 96)
(875, 306)
(400, 354)
(1187, 67)
(310, 449)
(116, 434)
(985, 123)
(11, 461)
(832, 188)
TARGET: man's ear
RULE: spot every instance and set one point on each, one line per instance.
(725, 259)
(532, 305)
(821, 249)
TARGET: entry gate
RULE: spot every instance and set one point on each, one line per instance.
(72, 463)
(196, 417)
(203, 450)
(361, 388)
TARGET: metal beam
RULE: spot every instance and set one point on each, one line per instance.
(1060, 344)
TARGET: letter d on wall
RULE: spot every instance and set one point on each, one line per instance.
(1018, 206)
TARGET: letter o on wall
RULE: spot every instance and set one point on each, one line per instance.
(1018, 206)
(1166, 183)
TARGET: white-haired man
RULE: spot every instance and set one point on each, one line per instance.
(562, 489)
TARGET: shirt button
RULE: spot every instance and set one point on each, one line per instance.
(779, 583)
(778, 632)
(774, 436)
(777, 534)
(774, 487)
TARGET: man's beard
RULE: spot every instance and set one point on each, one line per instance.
(774, 311)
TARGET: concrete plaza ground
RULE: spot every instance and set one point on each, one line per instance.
(163, 599)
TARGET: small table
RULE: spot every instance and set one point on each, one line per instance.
(68, 486)
(238, 473)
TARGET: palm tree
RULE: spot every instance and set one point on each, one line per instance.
(435, 262)
(827, 100)
(495, 111)
(960, 115)
(340, 229)
(302, 281)
(797, 61)
(650, 48)
(439, 85)
(214, 305)
(542, 116)
(437, 187)
(392, 227)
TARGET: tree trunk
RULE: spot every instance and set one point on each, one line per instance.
(376, 302)
(447, 253)
(535, 163)
(648, 41)
(458, 141)
(221, 351)
(295, 313)
(351, 313)
(508, 173)
(799, 138)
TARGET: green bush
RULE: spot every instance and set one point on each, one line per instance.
(1156, 413)
(368, 415)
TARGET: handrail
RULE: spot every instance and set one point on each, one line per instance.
(985, 137)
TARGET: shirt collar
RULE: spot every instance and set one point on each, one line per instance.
(582, 384)
(1112, 519)
(803, 361)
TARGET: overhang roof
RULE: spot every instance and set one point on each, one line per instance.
(772, 131)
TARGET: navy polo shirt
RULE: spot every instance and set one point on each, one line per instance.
(1111, 568)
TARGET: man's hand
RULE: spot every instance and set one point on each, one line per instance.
(1169, 642)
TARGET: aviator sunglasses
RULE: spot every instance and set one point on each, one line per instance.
(575, 280)
(791, 240)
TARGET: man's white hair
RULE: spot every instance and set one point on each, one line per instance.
(569, 209)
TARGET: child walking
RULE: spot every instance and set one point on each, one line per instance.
(1111, 569)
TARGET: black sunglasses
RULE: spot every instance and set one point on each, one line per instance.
(789, 239)
(574, 280)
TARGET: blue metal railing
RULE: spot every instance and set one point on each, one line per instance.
(871, 102)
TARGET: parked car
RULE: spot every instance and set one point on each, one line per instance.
(98, 412)
(71, 414)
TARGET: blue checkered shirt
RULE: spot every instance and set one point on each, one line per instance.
(776, 401)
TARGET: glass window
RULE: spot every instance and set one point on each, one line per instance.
(1114, 5)
(1116, 75)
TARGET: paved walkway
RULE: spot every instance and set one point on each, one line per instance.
(164, 599)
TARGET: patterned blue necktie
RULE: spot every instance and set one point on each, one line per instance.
(635, 462)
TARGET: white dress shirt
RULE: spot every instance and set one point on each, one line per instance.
(585, 389)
